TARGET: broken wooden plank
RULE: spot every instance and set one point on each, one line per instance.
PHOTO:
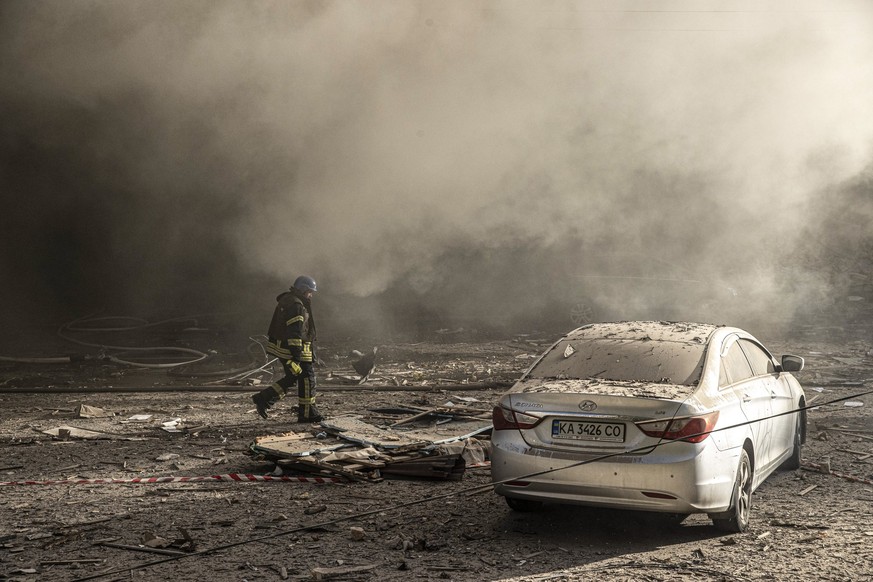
(821, 468)
(807, 490)
(451, 411)
(313, 465)
(854, 452)
(445, 467)
(863, 456)
(414, 417)
(143, 549)
(326, 573)
(96, 520)
(415, 447)
(853, 433)
(67, 562)
(288, 436)
(365, 463)
(464, 410)
(78, 433)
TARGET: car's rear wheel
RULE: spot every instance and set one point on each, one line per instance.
(793, 462)
(736, 519)
(525, 505)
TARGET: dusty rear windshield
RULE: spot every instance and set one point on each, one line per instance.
(660, 362)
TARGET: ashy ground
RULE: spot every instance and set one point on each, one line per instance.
(811, 524)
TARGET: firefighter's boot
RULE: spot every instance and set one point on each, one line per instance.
(308, 413)
(265, 399)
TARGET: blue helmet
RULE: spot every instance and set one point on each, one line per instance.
(304, 283)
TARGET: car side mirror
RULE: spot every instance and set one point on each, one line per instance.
(792, 363)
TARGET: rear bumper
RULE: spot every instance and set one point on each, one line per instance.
(676, 478)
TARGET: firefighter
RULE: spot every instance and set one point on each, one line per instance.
(291, 337)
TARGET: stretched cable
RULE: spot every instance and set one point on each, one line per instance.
(466, 491)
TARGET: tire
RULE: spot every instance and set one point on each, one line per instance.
(736, 519)
(793, 462)
(524, 505)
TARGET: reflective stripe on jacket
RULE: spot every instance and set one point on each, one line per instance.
(291, 331)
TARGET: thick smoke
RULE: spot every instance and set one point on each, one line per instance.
(439, 161)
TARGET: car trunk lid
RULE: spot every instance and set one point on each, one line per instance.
(596, 417)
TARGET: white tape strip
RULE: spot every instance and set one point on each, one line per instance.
(241, 477)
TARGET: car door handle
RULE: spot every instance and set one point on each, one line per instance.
(746, 398)
(773, 395)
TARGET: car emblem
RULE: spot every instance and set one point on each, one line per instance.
(587, 405)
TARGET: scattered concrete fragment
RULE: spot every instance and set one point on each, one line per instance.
(341, 571)
(86, 411)
(357, 534)
(78, 433)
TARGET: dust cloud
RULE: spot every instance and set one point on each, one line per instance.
(436, 163)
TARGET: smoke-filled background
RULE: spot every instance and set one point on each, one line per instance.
(436, 163)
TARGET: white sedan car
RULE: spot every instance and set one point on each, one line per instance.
(668, 417)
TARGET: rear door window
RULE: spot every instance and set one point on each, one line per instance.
(760, 360)
(734, 365)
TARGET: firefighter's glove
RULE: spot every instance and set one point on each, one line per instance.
(295, 367)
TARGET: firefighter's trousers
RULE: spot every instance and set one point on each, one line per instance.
(306, 383)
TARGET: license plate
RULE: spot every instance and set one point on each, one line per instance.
(577, 430)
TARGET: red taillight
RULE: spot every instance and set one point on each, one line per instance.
(505, 419)
(691, 429)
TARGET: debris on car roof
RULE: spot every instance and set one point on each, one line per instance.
(607, 388)
(675, 331)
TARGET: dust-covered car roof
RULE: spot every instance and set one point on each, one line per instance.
(672, 331)
(629, 354)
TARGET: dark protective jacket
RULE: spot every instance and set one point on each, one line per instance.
(292, 329)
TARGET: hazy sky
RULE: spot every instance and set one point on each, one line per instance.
(181, 151)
